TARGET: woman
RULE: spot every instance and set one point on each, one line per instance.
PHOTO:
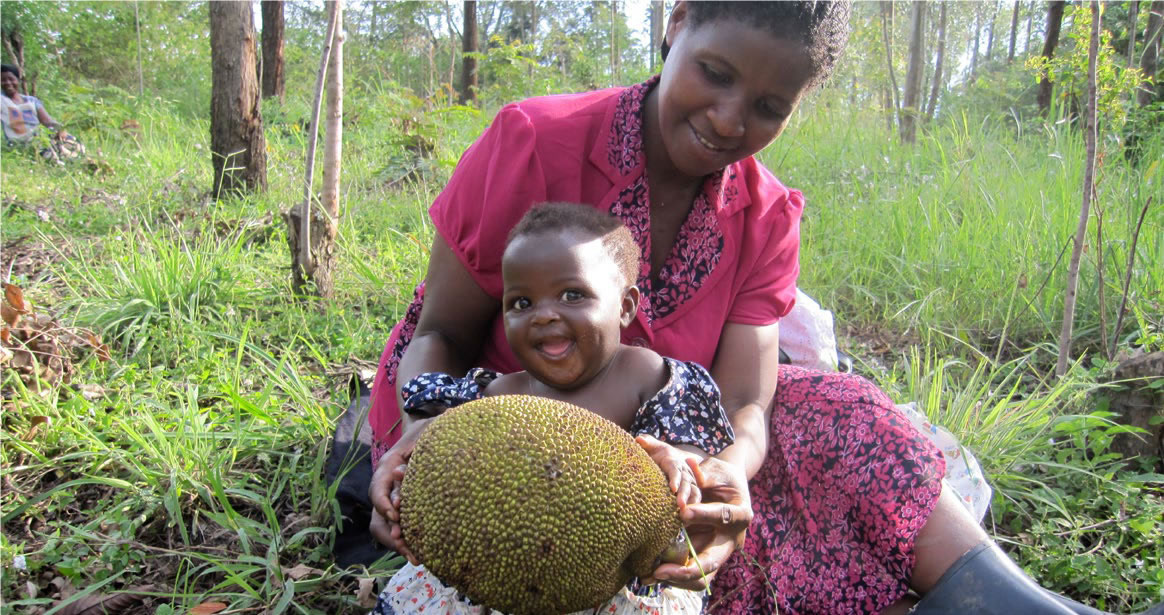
(22, 115)
(842, 500)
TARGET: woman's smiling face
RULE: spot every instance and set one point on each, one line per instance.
(9, 84)
(565, 302)
(726, 92)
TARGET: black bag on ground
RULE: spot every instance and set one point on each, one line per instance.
(350, 463)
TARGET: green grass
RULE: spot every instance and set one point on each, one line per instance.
(197, 468)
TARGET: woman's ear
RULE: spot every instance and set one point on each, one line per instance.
(675, 23)
(630, 306)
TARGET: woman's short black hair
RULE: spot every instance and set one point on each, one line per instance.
(822, 26)
(615, 236)
(8, 68)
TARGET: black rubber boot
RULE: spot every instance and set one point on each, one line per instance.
(985, 581)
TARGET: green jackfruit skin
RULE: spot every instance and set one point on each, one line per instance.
(533, 506)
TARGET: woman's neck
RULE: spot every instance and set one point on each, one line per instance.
(662, 174)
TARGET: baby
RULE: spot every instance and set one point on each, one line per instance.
(569, 275)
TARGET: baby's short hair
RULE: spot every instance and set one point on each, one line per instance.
(615, 236)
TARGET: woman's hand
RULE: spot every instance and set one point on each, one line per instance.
(385, 491)
(717, 526)
(673, 462)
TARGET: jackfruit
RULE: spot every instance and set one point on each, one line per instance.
(534, 506)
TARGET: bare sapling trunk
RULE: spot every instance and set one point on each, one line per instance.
(1014, 19)
(238, 148)
(886, 30)
(931, 109)
(273, 26)
(1133, 15)
(1085, 210)
(1146, 93)
(468, 62)
(657, 19)
(1054, 23)
(913, 76)
(311, 230)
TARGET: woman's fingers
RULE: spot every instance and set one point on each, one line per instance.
(717, 525)
(675, 466)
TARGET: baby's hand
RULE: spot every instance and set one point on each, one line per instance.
(673, 462)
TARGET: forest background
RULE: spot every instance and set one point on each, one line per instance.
(168, 398)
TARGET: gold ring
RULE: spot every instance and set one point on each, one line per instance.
(726, 515)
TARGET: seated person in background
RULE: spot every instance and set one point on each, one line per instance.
(22, 116)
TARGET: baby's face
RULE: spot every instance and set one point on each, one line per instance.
(564, 306)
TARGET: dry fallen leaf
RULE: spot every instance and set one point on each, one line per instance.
(366, 595)
(64, 587)
(36, 422)
(207, 608)
(107, 604)
(15, 297)
(102, 349)
(302, 570)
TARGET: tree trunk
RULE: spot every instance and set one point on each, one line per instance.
(1030, 25)
(1133, 15)
(273, 48)
(1088, 189)
(469, 45)
(886, 29)
(917, 51)
(1146, 95)
(931, 109)
(657, 19)
(238, 149)
(14, 43)
(1054, 23)
(1014, 19)
(977, 43)
(613, 43)
(990, 34)
(311, 238)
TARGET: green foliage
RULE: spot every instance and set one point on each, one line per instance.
(1115, 83)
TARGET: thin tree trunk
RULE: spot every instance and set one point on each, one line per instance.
(990, 34)
(656, 30)
(1054, 23)
(323, 252)
(1146, 95)
(886, 28)
(1133, 16)
(303, 229)
(1014, 19)
(469, 45)
(613, 43)
(273, 26)
(452, 45)
(14, 42)
(137, 26)
(1084, 211)
(1030, 25)
(931, 109)
(977, 43)
(917, 50)
(238, 149)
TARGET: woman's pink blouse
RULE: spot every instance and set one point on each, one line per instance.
(736, 259)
